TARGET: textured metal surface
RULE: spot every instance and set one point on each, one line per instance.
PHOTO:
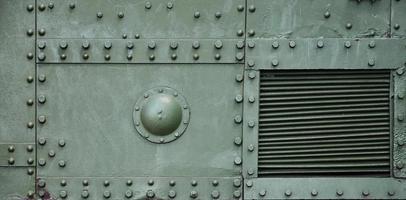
(329, 123)
(17, 183)
(143, 19)
(399, 127)
(324, 188)
(90, 108)
(325, 53)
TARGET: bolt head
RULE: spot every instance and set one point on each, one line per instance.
(120, 14)
(251, 8)
(327, 14)
(237, 141)
(215, 194)
(262, 193)
(171, 194)
(196, 14)
(99, 15)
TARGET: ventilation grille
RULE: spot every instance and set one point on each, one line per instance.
(324, 123)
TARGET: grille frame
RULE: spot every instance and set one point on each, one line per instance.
(327, 72)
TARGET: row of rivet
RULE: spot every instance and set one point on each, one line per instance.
(63, 45)
(400, 164)
(11, 149)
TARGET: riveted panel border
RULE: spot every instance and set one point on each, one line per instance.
(250, 125)
(397, 21)
(399, 127)
(324, 188)
(140, 187)
(326, 53)
(140, 51)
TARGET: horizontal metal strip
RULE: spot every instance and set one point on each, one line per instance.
(271, 129)
(342, 149)
(290, 92)
(380, 170)
(264, 147)
(265, 141)
(327, 121)
(337, 116)
(321, 82)
(332, 136)
(322, 160)
(323, 87)
(322, 97)
(383, 109)
(267, 133)
(270, 76)
(327, 165)
(324, 102)
(322, 107)
(323, 72)
(326, 155)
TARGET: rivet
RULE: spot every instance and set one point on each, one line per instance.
(371, 62)
(85, 194)
(106, 183)
(152, 57)
(217, 56)
(124, 36)
(314, 192)
(107, 45)
(42, 141)
(106, 194)
(238, 98)
(292, 44)
(275, 62)
(171, 194)
(72, 5)
(30, 161)
(251, 32)
(41, 56)
(400, 117)
(151, 44)
(275, 44)
(63, 194)
(42, 119)
(320, 44)
(30, 55)
(262, 193)
(85, 44)
(251, 99)
(240, 8)
(193, 183)
(215, 194)
(239, 77)
(237, 193)
(251, 8)
(42, 162)
(148, 5)
(150, 194)
(30, 79)
(51, 153)
(150, 182)
(215, 183)
(197, 14)
(237, 161)
(238, 119)
(400, 142)
(195, 44)
(41, 78)
(30, 32)
(85, 56)
(137, 36)
(172, 183)
(130, 45)
(169, 5)
(193, 194)
(99, 15)
(195, 56)
(129, 182)
(327, 14)
(251, 124)
(348, 26)
(30, 102)
(41, 7)
(120, 14)
(63, 183)
(30, 125)
(218, 44)
(240, 32)
(128, 194)
(41, 99)
(396, 26)
(51, 5)
(399, 165)
(391, 193)
(129, 57)
(251, 44)
(41, 193)
(62, 56)
(372, 44)
(239, 44)
(174, 56)
(11, 161)
(62, 163)
(41, 183)
(250, 171)
(85, 182)
(249, 183)
(30, 194)
(30, 148)
(237, 141)
(365, 192)
(107, 57)
(399, 71)
(251, 75)
(41, 32)
(30, 171)
(173, 45)
(237, 182)
(347, 44)
(239, 56)
(251, 147)
(288, 193)
(217, 15)
(251, 63)
(30, 8)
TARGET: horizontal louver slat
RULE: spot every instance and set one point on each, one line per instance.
(324, 123)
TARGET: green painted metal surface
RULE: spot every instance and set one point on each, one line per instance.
(160, 99)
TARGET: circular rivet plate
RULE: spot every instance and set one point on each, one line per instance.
(161, 115)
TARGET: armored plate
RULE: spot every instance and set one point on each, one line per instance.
(17, 183)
